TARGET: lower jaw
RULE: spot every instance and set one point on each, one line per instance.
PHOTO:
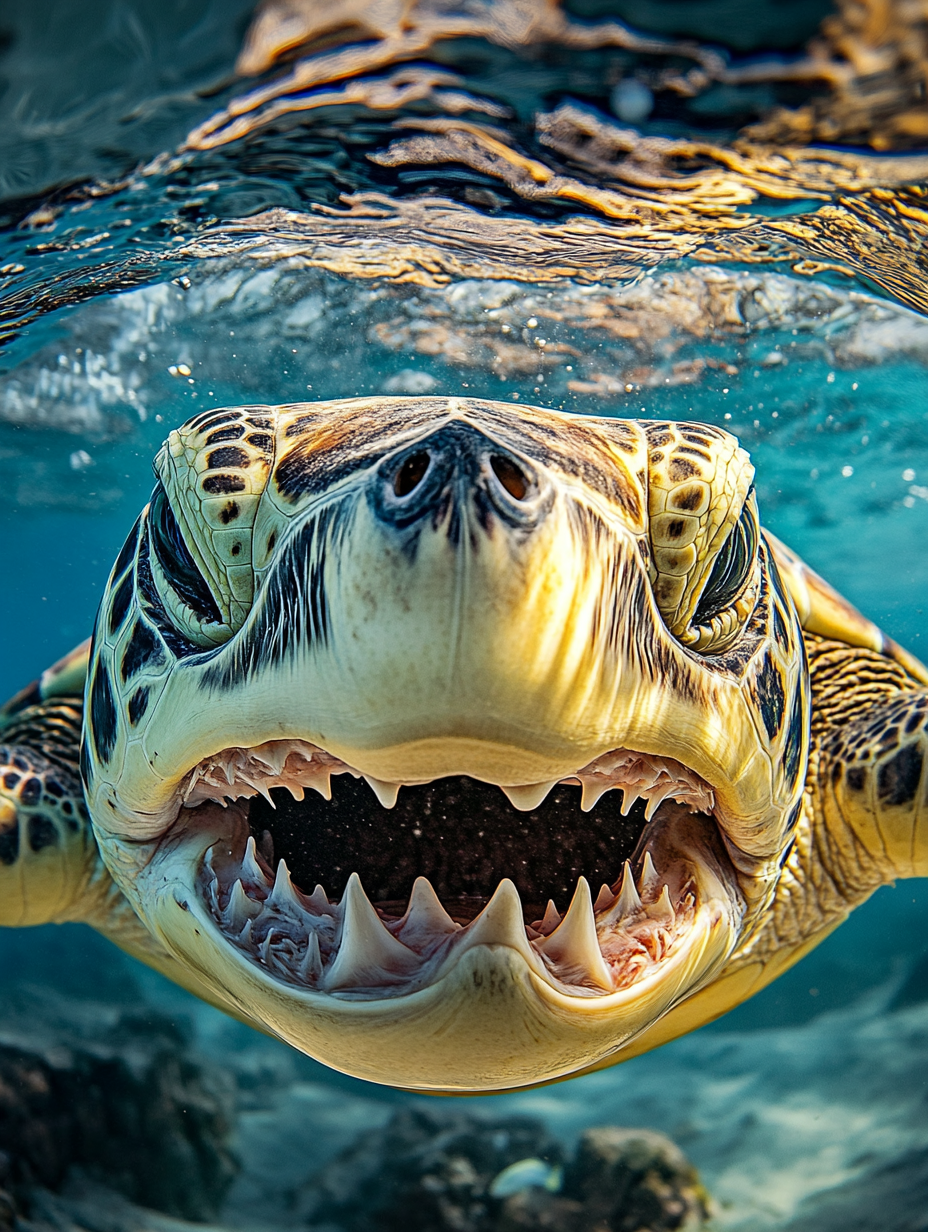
(488, 1007)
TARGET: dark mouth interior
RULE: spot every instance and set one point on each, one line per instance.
(463, 835)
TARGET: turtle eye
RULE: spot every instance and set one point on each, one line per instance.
(183, 589)
(732, 567)
(727, 598)
(176, 562)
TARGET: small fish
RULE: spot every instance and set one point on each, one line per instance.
(524, 1174)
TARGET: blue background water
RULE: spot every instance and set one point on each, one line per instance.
(841, 451)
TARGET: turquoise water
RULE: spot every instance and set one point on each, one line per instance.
(780, 1098)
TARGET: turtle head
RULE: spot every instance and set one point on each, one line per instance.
(381, 688)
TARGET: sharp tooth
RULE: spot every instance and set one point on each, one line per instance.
(295, 790)
(208, 862)
(592, 790)
(528, 796)
(425, 917)
(319, 901)
(648, 881)
(262, 788)
(322, 782)
(662, 911)
(264, 949)
(310, 968)
(240, 909)
(368, 952)
(604, 899)
(501, 923)
(283, 896)
(251, 869)
(657, 799)
(386, 793)
(628, 903)
(212, 881)
(574, 943)
(550, 919)
(629, 797)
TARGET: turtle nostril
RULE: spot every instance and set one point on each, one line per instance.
(411, 473)
(510, 476)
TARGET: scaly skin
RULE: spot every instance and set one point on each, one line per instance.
(595, 600)
(51, 871)
(849, 842)
(864, 822)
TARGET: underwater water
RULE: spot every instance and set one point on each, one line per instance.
(117, 328)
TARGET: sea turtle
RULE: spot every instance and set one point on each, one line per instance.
(461, 662)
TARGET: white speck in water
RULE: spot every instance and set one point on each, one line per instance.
(847, 471)
(728, 414)
(813, 473)
(532, 323)
(908, 475)
(80, 459)
(631, 100)
(854, 386)
(830, 378)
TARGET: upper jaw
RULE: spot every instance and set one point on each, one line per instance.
(297, 764)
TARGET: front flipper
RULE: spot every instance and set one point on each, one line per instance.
(51, 871)
(873, 782)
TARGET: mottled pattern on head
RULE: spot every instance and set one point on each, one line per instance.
(242, 488)
(424, 589)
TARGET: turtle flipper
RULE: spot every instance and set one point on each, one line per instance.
(870, 710)
(873, 762)
(64, 680)
(50, 869)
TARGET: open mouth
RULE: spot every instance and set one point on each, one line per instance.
(416, 874)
